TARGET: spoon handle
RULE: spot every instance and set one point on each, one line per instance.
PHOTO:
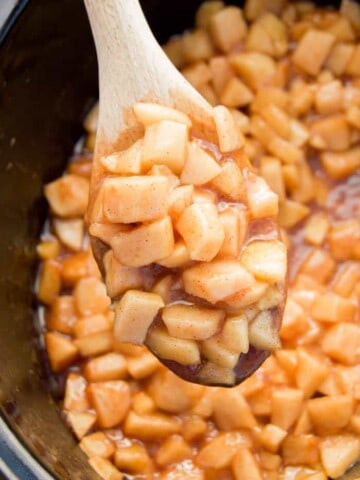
(132, 65)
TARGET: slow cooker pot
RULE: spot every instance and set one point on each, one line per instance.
(48, 80)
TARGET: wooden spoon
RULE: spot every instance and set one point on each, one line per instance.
(133, 68)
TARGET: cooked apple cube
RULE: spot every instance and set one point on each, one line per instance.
(338, 453)
(149, 113)
(68, 195)
(312, 50)
(204, 195)
(339, 57)
(127, 162)
(271, 172)
(179, 257)
(119, 278)
(180, 198)
(227, 28)
(235, 94)
(353, 67)
(145, 244)
(191, 322)
(332, 132)
(134, 314)
(61, 351)
(248, 296)
(81, 422)
(205, 11)
(230, 182)
(105, 469)
(106, 231)
(70, 232)
(164, 171)
(262, 201)
(97, 445)
(135, 199)
(200, 166)
(215, 350)
(217, 280)
(185, 352)
(256, 69)
(163, 287)
(165, 143)
(196, 46)
(230, 137)
(262, 333)
(221, 72)
(231, 244)
(341, 164)
(212, 374)
(111, 401)
(202, 231)
(266, 260)
(235, 334)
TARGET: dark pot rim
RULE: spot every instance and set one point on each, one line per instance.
(16, 461)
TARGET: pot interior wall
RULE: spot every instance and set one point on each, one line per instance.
(48, 80)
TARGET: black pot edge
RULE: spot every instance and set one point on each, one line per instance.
(16, 462)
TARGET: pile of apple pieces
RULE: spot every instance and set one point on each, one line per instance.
(193, 261)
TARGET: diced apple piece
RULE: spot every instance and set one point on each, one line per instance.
(50, 282)
(70, 232)
(227, 28)
(180, 198)
(286, 404)
(312, 50)
(262, 333)
(332, 132)
(198, 74)
(196, 46)
(266, 259)
(150, 427)
(134, 314)
(119, 278)
(68, 195)
(204, 195)
(247, 297)
(148, 113)
(217, 280)
(245, 465)
(256, 69)
(353, 66)
(221, 71)
(97, 445)
(179, 257)
(310, 372)
(61, 351)
(230, 137)
(339, 57)
(338, 453)
(95, 343)
(330, 413)
(126, 162)
(231, 244)
(235, 94)
(111, 366)
(185, 352)
(163, 287)
(341, 343)
(331, 307)
(81, 422)
(105, 469)
(291, 213)
(111, 401)
(277, 119)
(191, 322)
(164, 171)
(93, 324)
(271, 172)
(173, 451)
(341, 164)
(262, 201)
(202, 231)
(135, 199)
(165, 143)
(235, 334)
(144, 245)
(271, 437)
(90, 296)
(212, 374)
(215, 350)
(200, 166)
(230, 182)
